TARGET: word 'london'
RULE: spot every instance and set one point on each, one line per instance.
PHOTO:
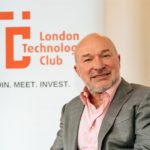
(61, 37)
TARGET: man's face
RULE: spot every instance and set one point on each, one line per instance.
(97, 63)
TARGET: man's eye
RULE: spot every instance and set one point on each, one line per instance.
(86, 60)
(106, 55)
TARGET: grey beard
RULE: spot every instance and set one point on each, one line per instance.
(99, 90)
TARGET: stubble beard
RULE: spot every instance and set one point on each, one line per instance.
(101, 89)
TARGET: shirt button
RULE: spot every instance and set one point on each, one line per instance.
(92, 126)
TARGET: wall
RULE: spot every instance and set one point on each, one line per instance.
(127, 23)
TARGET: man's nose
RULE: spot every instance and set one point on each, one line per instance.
(98, 63)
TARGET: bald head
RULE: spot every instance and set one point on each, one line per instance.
(92, 39)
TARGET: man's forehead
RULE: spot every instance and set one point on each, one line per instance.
(95, 48)
(93, 44)
(99, 51)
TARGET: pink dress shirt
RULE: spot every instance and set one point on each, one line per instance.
(92, 118)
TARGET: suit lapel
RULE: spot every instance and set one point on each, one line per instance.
(119, 99)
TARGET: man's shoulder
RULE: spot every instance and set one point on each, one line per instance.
(74, 101)
(134, 87)
(140, 87)
(140, 92)
(73, 106)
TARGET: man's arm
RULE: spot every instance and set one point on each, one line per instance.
(58, 143)
(142, 125)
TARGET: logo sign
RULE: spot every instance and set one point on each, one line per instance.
(49, 43)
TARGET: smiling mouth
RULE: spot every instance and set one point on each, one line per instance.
(101, 76)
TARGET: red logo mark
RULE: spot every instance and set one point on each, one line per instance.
(10, 33)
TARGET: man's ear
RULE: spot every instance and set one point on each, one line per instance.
(119, 58)
(76, 70)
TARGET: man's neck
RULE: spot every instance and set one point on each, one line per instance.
(96, 100)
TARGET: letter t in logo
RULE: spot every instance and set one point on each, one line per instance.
(10, 33)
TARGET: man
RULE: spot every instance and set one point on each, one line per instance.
(109, 114)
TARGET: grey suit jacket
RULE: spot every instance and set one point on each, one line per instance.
(126, 125)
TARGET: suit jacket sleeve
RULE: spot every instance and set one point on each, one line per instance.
(58, 143)
(142, 125)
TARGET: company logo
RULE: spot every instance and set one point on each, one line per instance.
(11, 32)
(49, 48)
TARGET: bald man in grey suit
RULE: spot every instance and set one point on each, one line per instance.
(125, 124)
